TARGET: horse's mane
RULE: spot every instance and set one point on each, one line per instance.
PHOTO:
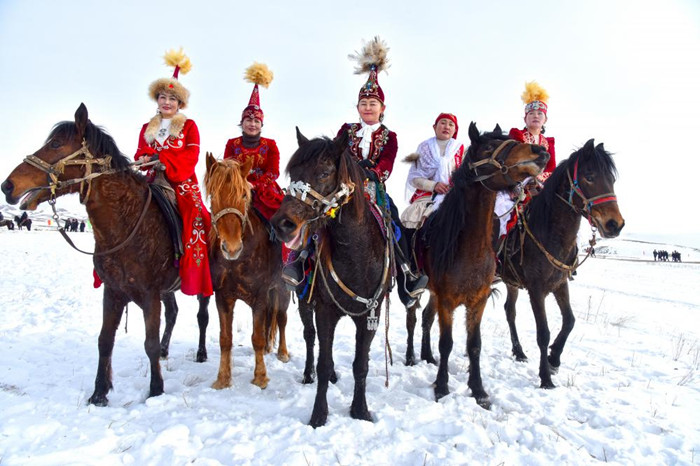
(539, 210)
(444, 225)
(227, 182)
(347, 169)
(98, 140)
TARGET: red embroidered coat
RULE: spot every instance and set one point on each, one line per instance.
(382, 151)
(267, 195)
(180, 153)
(523, 135)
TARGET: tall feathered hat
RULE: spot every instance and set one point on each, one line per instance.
(258, 74)
(534, 97)
(373, 59)
(181, 62)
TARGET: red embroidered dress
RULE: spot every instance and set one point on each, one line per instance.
(267, 195)
(548, 143)
(382, 150)
(179, 152)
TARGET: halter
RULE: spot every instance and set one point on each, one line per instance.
(500, 167)
(327, 205)
(588, 203)
(231, 210)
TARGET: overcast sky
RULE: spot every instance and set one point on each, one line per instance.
(623, 72)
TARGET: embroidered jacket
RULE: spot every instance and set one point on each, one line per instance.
(382, 151)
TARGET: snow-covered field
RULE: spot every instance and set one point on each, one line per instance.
(628, 389)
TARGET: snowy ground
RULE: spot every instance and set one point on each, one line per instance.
(628, 389)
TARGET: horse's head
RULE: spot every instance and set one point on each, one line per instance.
(323, 178)
(68, 154)
(229, 191)
(501, 163)
(591, 173)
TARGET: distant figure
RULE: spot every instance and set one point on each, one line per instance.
(82, 226)
(24, 221)
(655, 255)
(592, 251)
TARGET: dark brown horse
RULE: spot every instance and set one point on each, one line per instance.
(541, 254)
(325, 201)
(131, 257)
(459, 258)
(245, 265)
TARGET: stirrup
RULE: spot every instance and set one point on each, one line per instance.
(293, 273)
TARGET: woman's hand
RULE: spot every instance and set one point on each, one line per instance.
(441, 188)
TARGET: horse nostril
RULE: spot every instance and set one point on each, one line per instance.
(7, 187)
(287, 226)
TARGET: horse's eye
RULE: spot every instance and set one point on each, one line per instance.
(324, 175)
(589, 178)
(55, 144)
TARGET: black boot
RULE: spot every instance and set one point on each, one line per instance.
(293, 273)
(414, 285)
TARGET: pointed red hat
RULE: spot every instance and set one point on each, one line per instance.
(259, 74)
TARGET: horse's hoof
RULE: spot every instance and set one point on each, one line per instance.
(98, 400)
(429, 359)
(201, 356)
(410, 360)
(441, 393)
(361, 415)
(547, 385)
(554, 370)
(221, 384)
(261, 382)
(284, 357)
(308, 379)
(163, 353)
(318, 419)
(333, 378)
(484, 402)
(519, 355)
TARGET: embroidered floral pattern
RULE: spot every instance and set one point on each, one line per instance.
(197, 241)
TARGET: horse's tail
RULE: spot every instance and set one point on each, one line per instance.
(271, 319)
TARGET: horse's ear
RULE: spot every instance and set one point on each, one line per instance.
(590, 145)
(301, 139)
(473, 133)
(81, 119)
(497, 130)
(600, 148)
(210, 161)
(247, 166)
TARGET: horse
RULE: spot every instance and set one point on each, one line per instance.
(23, 222)
(79, 157)
(541, 255)
(458, 255)
(6, 222)
(325, 203)
(244, 265)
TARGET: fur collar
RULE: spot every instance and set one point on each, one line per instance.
(176, 125)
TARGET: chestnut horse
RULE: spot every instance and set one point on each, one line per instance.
(245, 265)
(541, 255)
(131, 257)
(325, 201)
(459, 258)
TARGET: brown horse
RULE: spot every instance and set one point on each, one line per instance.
(131, 257)
(325, 201)
(245, 265)
(459, 258)
(541, 254)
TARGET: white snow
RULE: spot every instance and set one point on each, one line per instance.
(628, 388)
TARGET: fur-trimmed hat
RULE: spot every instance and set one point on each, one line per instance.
(258, 74)
(373, 59)
(534, 97)
(181, 63)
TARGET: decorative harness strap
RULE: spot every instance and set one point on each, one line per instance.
(231, 210)
(323, 205)
(503, 169)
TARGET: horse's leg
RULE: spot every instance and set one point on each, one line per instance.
(113, 304)
(360, 367)
(151, 316)
(410, 329)
(171, 311)
(224, 306)
(537, 303)
(259, 341)
(567, 324)
(426, 353)
(511, 300)
(445, 318)
(474, 315)
(326, 322)
(203, 322)
(306, 313)
(282, 351)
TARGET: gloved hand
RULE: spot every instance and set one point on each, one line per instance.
(371, 175)
(365, 163)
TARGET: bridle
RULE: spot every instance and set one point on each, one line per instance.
(56, 169)
(588, 202)
(495, 162)
(322, 205)
(243, 217)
